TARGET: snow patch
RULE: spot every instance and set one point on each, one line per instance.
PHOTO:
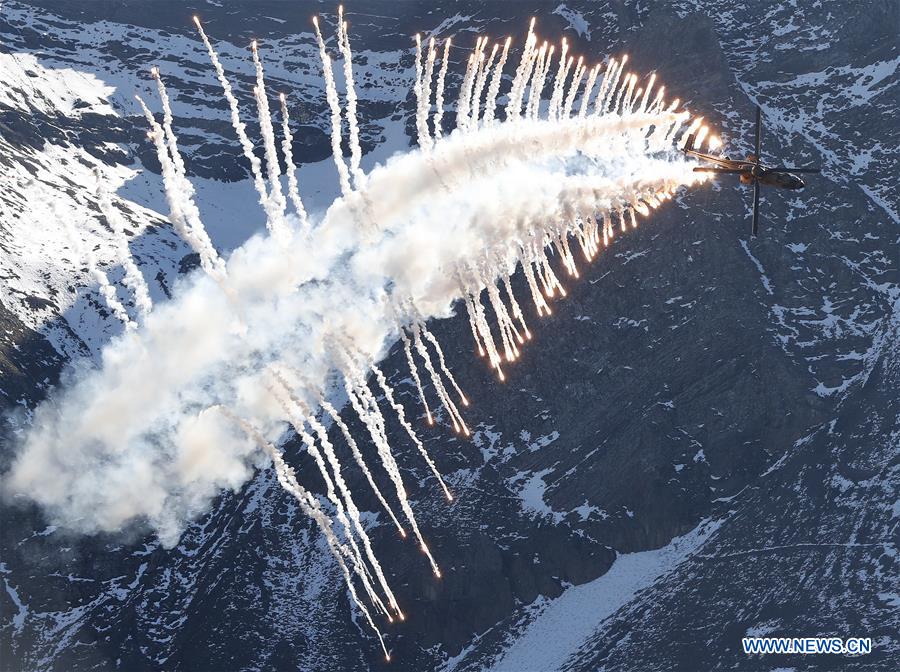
(567, 622)
(575, 19)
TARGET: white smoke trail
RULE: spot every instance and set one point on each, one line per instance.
(486, 336)
(658, 102)
(647, 90)
(523, 71)
(561, 95)
(366, 407)
(338, 479)
(185, 188)
(424, 75)
(354, 555)
(620, 92)
(440, 353)
(415, 374)
(439, 93)
(615, 76)
(472, 94)
(534, 72)
(626, 99)
(588, 89)
(542, 83)
(674, 126)
(134, 280)
(455, 416)
(309, 506)
(331, 97)
(465, 89)
(287, 147)
(183, 212)
(180, 190)
(419, 93)
(612, 88)
(507, 145)
(517, 311)
(631, 101)
(490, 106)
(695, 125)
(480, 82)
(352, 121)
(600, 101)
(426, 85)
(541, 66)
(357, 455)
(363, 402)
(573, 89)
(701, 136)
(558, 81)
(477, 338)
(169, 131)
(276, 203)
(470, 311)
(237, 124)
(401, 416)
(507, 332)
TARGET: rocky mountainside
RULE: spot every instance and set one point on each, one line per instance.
(702, 443)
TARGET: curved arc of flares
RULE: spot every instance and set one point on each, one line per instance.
(538, 221)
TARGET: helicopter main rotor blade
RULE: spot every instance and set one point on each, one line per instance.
(790, 169)
(731, 171)
(758, 134)
(755, 229)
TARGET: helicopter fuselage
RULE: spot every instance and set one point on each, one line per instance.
(751, 171)
(773, 178)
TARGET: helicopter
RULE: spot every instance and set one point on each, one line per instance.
(751, 170)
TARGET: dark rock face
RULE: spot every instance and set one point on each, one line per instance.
(691, 375)
(28, 365)
(811, 548)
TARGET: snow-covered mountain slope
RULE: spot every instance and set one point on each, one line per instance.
(73, 110)
(701, 441)
(49, 186)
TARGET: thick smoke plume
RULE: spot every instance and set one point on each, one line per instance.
(271, 334)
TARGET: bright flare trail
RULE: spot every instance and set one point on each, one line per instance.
(276, 335)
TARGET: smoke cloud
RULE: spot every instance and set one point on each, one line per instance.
(426, 233)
